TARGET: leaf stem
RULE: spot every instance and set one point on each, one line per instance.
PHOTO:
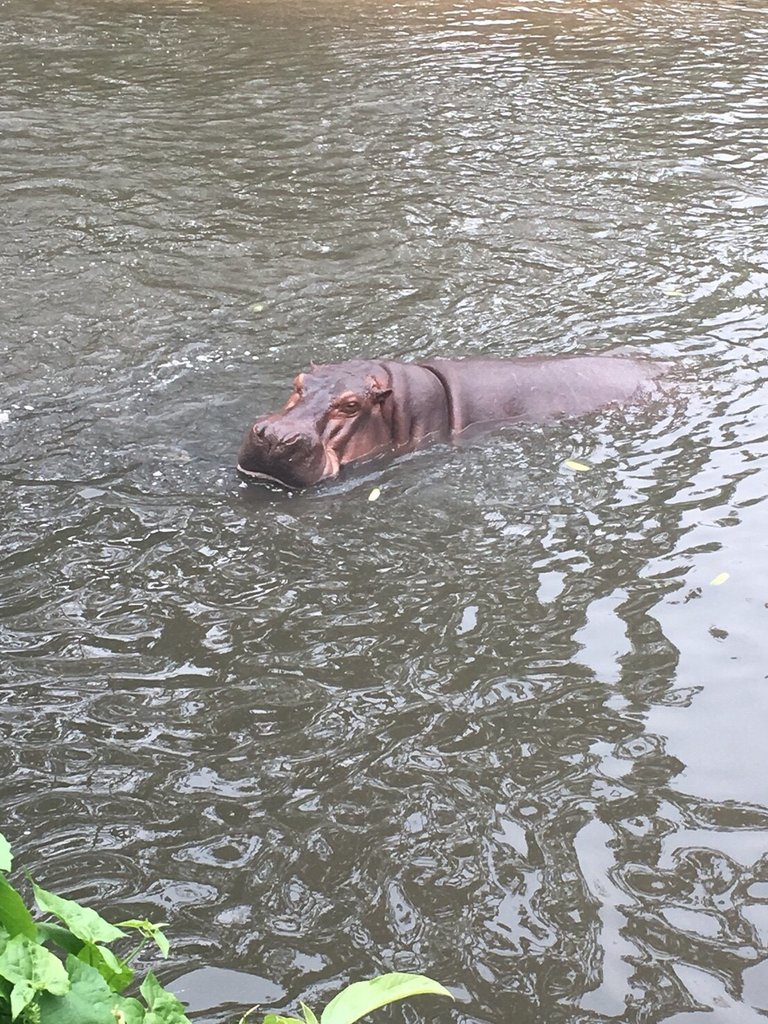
(132, 956)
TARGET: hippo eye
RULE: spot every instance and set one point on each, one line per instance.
(350, 407)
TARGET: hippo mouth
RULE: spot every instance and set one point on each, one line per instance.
(329, 469)
(251, 474)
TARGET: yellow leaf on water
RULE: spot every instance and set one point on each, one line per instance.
(578, 467)
(375, 494)
(720, 578)
(257, 307)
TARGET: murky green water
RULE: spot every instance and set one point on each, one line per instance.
(497, 726)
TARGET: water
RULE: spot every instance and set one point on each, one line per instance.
(498, 726)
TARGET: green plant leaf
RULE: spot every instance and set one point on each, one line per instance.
(6, 857)
(14, 916)
(83, 922)
(22, 994)
(309, 1016)
(47, 931)
(273, 1018)
(30, 969)
(89, 1001)
(361, 998)
(149, 931)
(24, 960)
(164, 1007)
(117, 974)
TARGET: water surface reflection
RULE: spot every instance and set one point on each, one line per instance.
(497, 726)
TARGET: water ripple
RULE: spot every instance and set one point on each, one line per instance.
(499, 726)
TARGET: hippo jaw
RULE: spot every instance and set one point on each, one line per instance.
(296, 478)
(251, 474)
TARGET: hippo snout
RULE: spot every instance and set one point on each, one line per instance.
(275, 451)
(270, 439)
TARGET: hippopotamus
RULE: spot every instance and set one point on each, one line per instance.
(346, 412)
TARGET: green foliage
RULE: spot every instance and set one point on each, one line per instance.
(164, 1007)
(36, 987)
(83, 922)
(88, 1000)
(149, 931)
(363, 997)
(360, 999)
(14, 916)
(30, 969)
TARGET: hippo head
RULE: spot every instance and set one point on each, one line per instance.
(335, 415)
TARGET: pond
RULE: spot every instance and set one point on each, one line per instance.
(504, 725)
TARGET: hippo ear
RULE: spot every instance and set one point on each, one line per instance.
(378, 391)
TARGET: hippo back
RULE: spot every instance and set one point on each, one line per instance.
(497, 391)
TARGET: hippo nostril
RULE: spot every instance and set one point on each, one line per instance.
(266, 438)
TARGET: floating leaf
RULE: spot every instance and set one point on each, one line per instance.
(375, 494)
(83, 922)
(6, 857)
(577, 467)
(719, 579)
(361, 998)
(256, 307)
